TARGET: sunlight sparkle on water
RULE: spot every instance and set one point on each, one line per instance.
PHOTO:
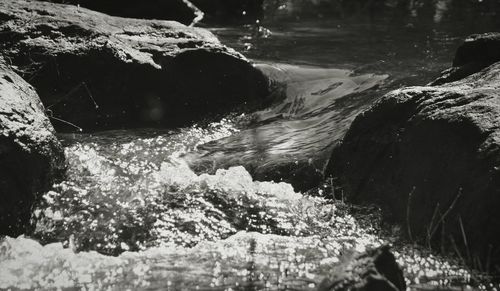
(132, 196)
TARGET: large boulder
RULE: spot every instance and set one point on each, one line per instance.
(31, 157)
(430, 156)
(374, 270)
(476, 53)
(97, 71)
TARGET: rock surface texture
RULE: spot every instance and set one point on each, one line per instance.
(30, 154)
(97, 71)
(178, 10)
(430, 156)
(375, 270)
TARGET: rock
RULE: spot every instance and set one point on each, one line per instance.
(430, 157)
(97, 71)
(31, 157)
(375, 270)
(481, 48)
(178, 10)
(476, 53)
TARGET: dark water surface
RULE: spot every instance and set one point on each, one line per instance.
(152, 209)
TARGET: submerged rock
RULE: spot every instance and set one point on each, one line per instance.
(430, 156)
(374, 270)
(30, 154)
(476, 53)
(97, 71)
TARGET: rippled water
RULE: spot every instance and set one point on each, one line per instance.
(292, 140)
(223, 205)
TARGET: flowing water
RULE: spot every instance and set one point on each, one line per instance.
(223, 205)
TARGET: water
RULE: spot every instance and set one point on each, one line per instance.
(332, 69)
(292, 140)
(128, 194)
(223, 205)
(132, 215)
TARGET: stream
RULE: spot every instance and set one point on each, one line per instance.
(234, 203)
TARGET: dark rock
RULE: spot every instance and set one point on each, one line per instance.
(476, 53)
(98, 71)
(430, 157)
(178, 10)
(375, 270)
(30, 154)
(483, 48)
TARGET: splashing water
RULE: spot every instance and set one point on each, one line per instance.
(133, 193)
(128, 194)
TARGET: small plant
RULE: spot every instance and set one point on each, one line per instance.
(434, 224)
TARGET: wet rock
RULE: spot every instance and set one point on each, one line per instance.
(476, 53)
(178, 10)
(430, 156)
(30, 154)
(375, 270)
(97, 71)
